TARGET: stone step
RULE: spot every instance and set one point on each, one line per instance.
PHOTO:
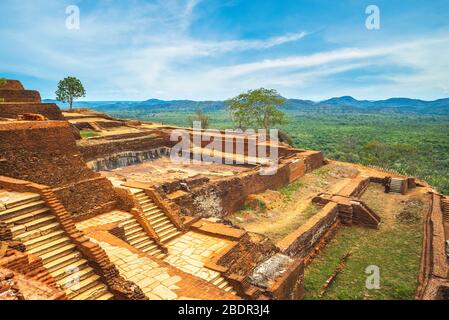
(156, 221)
(161, 229)
(169, 236)
(83, 286)
(137, 240)
(97, 290)
(23, 200)
(34, 224)
(142, 243)
(30, 244)
(228, 288)
(132, 227)
(133, 232)
(63, 262)
(150, 208)
(72, 275)
(167, 231)
(59, 253)
(218, 281)
(141, 196)
(146, 202)
(150, 248)
(223, 284)
(155, 215)
(105, 296)
(62, 272)
(160, 256)
(22, 209)
(128, 223)
(32, 234)
(24, 218)
(50, 246)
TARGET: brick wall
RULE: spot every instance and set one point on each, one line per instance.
(46, 153)
(11, 85)
(20, 96)
(303, 240)
(12, 110)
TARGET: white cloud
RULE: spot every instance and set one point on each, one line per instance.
(143, 50)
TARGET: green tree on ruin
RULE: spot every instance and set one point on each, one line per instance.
(258, 109)
(70, 89)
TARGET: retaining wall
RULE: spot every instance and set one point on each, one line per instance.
(12, 110)
(303, 240)
(46, 153)
(20, 96)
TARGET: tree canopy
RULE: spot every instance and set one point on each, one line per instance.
(70, 89)
(257, 109)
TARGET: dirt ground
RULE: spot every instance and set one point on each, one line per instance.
(393, 206)
(277, 213)
(162, 170)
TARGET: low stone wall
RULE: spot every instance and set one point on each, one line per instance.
(87, 198)
(434, 270)
(355, 187)
(303, 240)
(20, 96)
(290, 284)
(222, 197)
(16, 286)
(103, 148)
(28, 265)
(48, 110)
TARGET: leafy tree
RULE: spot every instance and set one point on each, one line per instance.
(70, 89)
(257, 109)
(200, 116)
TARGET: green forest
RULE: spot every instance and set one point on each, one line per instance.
(409, 143)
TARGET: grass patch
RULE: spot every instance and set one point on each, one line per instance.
(395, 248)
(289, 190)
(395, 252)
(3, 81)
(88, 133)
(311, 210)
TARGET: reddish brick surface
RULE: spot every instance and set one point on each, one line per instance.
(20, 96)
(11, 85)
(12, 110)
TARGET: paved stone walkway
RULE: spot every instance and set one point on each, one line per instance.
(103, 219)
(154, 280)
(191, 250)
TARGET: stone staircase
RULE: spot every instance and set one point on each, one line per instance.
(160, 223)
(396, 185)
(223, 284)
(138, 238)
(32, 223)
(445, 208)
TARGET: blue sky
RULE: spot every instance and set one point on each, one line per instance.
(215, 49)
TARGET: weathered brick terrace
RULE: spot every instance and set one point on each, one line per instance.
(110, 217)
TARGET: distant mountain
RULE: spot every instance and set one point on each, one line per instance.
(440, 106)
(343, 104)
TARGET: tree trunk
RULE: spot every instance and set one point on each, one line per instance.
(70, 102)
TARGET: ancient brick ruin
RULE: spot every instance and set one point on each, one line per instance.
(110, 217)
